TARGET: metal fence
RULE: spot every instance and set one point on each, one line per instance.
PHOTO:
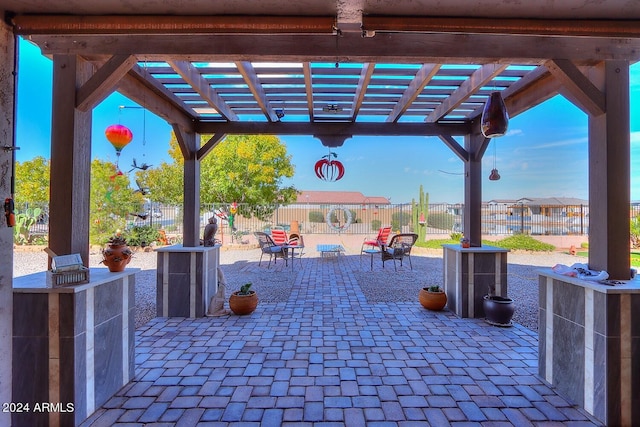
(441, 219)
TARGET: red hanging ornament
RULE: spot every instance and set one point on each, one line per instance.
(328, 169)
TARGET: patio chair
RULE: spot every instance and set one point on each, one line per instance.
(399, 247)
(268, 246)
(279, 236)
(379, 241)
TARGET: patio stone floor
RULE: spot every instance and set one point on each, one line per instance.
(326, 357)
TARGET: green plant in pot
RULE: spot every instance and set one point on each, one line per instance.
(432, 297)
(117, 254)
(243, 301)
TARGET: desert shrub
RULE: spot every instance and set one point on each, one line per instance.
(316, 216)
(376, 224)
(441, 220)
(142, 235)
(524, 242)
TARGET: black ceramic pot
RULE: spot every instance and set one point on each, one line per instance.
(498, 310)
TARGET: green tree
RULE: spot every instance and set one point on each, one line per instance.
(245, 169)
(32, 180)
(112, 200)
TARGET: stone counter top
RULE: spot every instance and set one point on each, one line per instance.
(628, 286)
(37, 282)
(474, 249)
(180, 248)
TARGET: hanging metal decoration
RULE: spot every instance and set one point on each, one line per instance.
(119, 136)
(495, 118)
(494, 176)
(329, 169)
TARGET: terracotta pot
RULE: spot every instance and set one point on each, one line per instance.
(116, 257)
(498, 310)
(243, 304)
(432, 300)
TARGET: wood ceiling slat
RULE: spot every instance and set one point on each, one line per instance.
(421, 79)
(251, 79)
(363, 82)
(193, 77)
(479, 78)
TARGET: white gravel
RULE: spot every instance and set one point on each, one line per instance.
(236, 265)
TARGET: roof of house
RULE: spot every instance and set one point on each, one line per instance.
(339, 197)
(552, 201)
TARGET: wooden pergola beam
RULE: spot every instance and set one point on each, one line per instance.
(191, 75)
(334, 128)
(251, 79)
(583, 93)
(141, 90)
(103, 81)
(479, 78)
(171, 24)
(396, 48)
(363, 82)
(308, 84)
(513, 26)
(422, 78)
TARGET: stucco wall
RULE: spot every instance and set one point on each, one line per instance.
(6, 234)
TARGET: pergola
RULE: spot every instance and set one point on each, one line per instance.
(328, 69)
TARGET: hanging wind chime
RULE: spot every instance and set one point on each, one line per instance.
(328, 168)
(494, 123)
(494, 176)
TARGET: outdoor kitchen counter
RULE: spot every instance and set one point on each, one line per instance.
(73, 346)
(472, 273)
(585, 336)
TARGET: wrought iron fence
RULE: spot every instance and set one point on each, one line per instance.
(441, 219)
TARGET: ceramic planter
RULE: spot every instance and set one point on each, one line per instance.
(116, 257)
(432, 300)
(243, 304)
(498, 310)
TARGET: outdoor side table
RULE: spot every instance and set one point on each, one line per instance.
(372, 253)
(329, 250)
(293, 248)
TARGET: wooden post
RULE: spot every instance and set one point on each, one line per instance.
(475, 145)
(609, 175)
(70, 160)
(188, 142)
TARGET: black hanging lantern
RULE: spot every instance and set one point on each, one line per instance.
(494, 176)
(495, 118)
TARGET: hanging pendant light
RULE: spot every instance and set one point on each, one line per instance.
(495, 118)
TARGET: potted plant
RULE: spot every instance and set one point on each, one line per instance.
(433, 297)
(243, 301)
(498, 310)
(117, 254)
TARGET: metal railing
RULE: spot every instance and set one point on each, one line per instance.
(444, 219)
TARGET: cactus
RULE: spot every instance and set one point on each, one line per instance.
(422, 207)
(24, 221)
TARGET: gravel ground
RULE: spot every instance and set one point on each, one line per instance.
(238, 268)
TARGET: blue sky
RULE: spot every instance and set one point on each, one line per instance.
(544, 153)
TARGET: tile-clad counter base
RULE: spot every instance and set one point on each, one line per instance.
(73, 346)
(187, 278)
(472, 273)
(589, 344)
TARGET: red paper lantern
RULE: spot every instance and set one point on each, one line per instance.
(328, 169)
(119, 136)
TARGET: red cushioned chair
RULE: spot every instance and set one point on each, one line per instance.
(279, 236)
(379, 241)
